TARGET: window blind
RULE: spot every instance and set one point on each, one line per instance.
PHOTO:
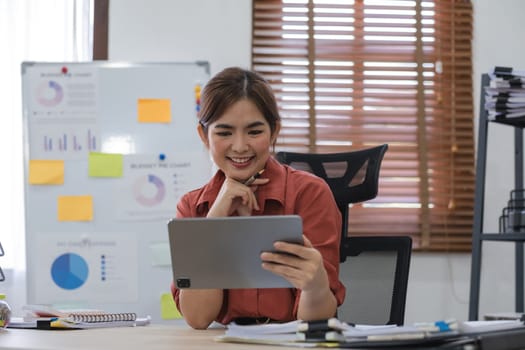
(355, 74)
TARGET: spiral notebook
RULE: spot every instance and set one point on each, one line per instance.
(116, 320)
(51, 323)
(47, 317)
(80, 315)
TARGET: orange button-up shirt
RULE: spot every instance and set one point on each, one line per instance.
(289, 192)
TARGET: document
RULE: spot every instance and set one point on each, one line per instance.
(488, 326)
(309, 334)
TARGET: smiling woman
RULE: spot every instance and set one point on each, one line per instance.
(30, 30)
(239, 124)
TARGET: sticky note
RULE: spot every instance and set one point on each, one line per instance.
(46, 172)
(168, 308)
(105, 164)
(75, 208)
(154, 110)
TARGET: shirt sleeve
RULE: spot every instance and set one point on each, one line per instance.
(322, 225)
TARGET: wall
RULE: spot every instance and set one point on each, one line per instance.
(220, 32)
(496, 42)
(182, 30)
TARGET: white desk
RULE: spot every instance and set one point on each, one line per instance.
(152, 337)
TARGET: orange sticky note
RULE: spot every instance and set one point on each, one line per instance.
(46, 172)
(154, 110)
(75, 208)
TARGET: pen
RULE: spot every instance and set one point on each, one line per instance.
(253, 178)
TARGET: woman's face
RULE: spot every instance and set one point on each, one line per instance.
(239, 141)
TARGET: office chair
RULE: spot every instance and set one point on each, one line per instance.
(352, 176)
(374, 269)
(376, 278)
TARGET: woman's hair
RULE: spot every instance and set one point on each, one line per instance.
(232, 85)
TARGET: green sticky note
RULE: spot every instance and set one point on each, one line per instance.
(105, 164)
(168, 309)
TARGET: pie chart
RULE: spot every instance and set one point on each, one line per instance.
(69, 271)
(149, 190)
(50, 93)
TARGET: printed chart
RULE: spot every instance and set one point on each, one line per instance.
(69, 271)
(63, 113)
(74, 267)
(151, 188)
(49, 93)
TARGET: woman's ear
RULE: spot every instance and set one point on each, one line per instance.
(203, 135)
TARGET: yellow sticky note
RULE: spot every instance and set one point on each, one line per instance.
(154, 110)
(46, 172)
(105, 164)
(168, 309)
(75, 208)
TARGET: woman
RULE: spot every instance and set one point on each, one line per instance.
(239, 123)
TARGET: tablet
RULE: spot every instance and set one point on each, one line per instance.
(224, 253)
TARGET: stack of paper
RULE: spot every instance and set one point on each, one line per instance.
(272, 333)
(489, 326)
(339, 334)
(295, 334)
(505, 95)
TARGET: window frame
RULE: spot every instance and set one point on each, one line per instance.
(440, 147)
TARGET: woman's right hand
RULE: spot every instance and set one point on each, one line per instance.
(236, 197)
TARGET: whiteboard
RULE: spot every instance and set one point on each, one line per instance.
(109, 148)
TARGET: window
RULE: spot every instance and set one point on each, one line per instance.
(351, 74)
(30, 30)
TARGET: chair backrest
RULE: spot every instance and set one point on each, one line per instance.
(374, 269)
(352, 176)
(376, 278)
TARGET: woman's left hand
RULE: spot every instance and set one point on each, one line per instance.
(302, 266)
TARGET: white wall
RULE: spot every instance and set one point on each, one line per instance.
(181, 30)
(220, 32)
(497, 41)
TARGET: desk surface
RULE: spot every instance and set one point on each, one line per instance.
(152, 337)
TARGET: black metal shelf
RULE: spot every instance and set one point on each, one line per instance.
(515, 122)
(478, 235)
(503, 236)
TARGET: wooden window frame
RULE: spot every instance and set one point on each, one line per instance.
(427, 178)
(100, 30)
